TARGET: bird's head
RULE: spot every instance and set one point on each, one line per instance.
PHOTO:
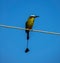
(33, 16)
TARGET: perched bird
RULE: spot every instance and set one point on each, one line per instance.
(28, 25)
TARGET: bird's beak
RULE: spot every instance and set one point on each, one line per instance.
(36, 16)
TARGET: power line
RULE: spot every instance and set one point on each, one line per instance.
(20, 28)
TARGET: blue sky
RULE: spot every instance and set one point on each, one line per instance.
(44, 48)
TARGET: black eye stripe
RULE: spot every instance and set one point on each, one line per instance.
(31, 16)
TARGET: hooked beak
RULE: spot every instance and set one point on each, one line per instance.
(36, 16)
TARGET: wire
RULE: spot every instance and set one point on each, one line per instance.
(20, 28)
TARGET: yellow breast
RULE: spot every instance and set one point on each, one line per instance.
(30, 22)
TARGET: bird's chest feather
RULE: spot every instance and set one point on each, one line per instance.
(30, 23)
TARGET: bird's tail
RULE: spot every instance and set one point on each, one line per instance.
(28, 35)
(27, 49)
(27, 31)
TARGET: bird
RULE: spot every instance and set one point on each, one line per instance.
(28, 25)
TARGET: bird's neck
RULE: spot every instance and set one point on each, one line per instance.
(31, 19)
